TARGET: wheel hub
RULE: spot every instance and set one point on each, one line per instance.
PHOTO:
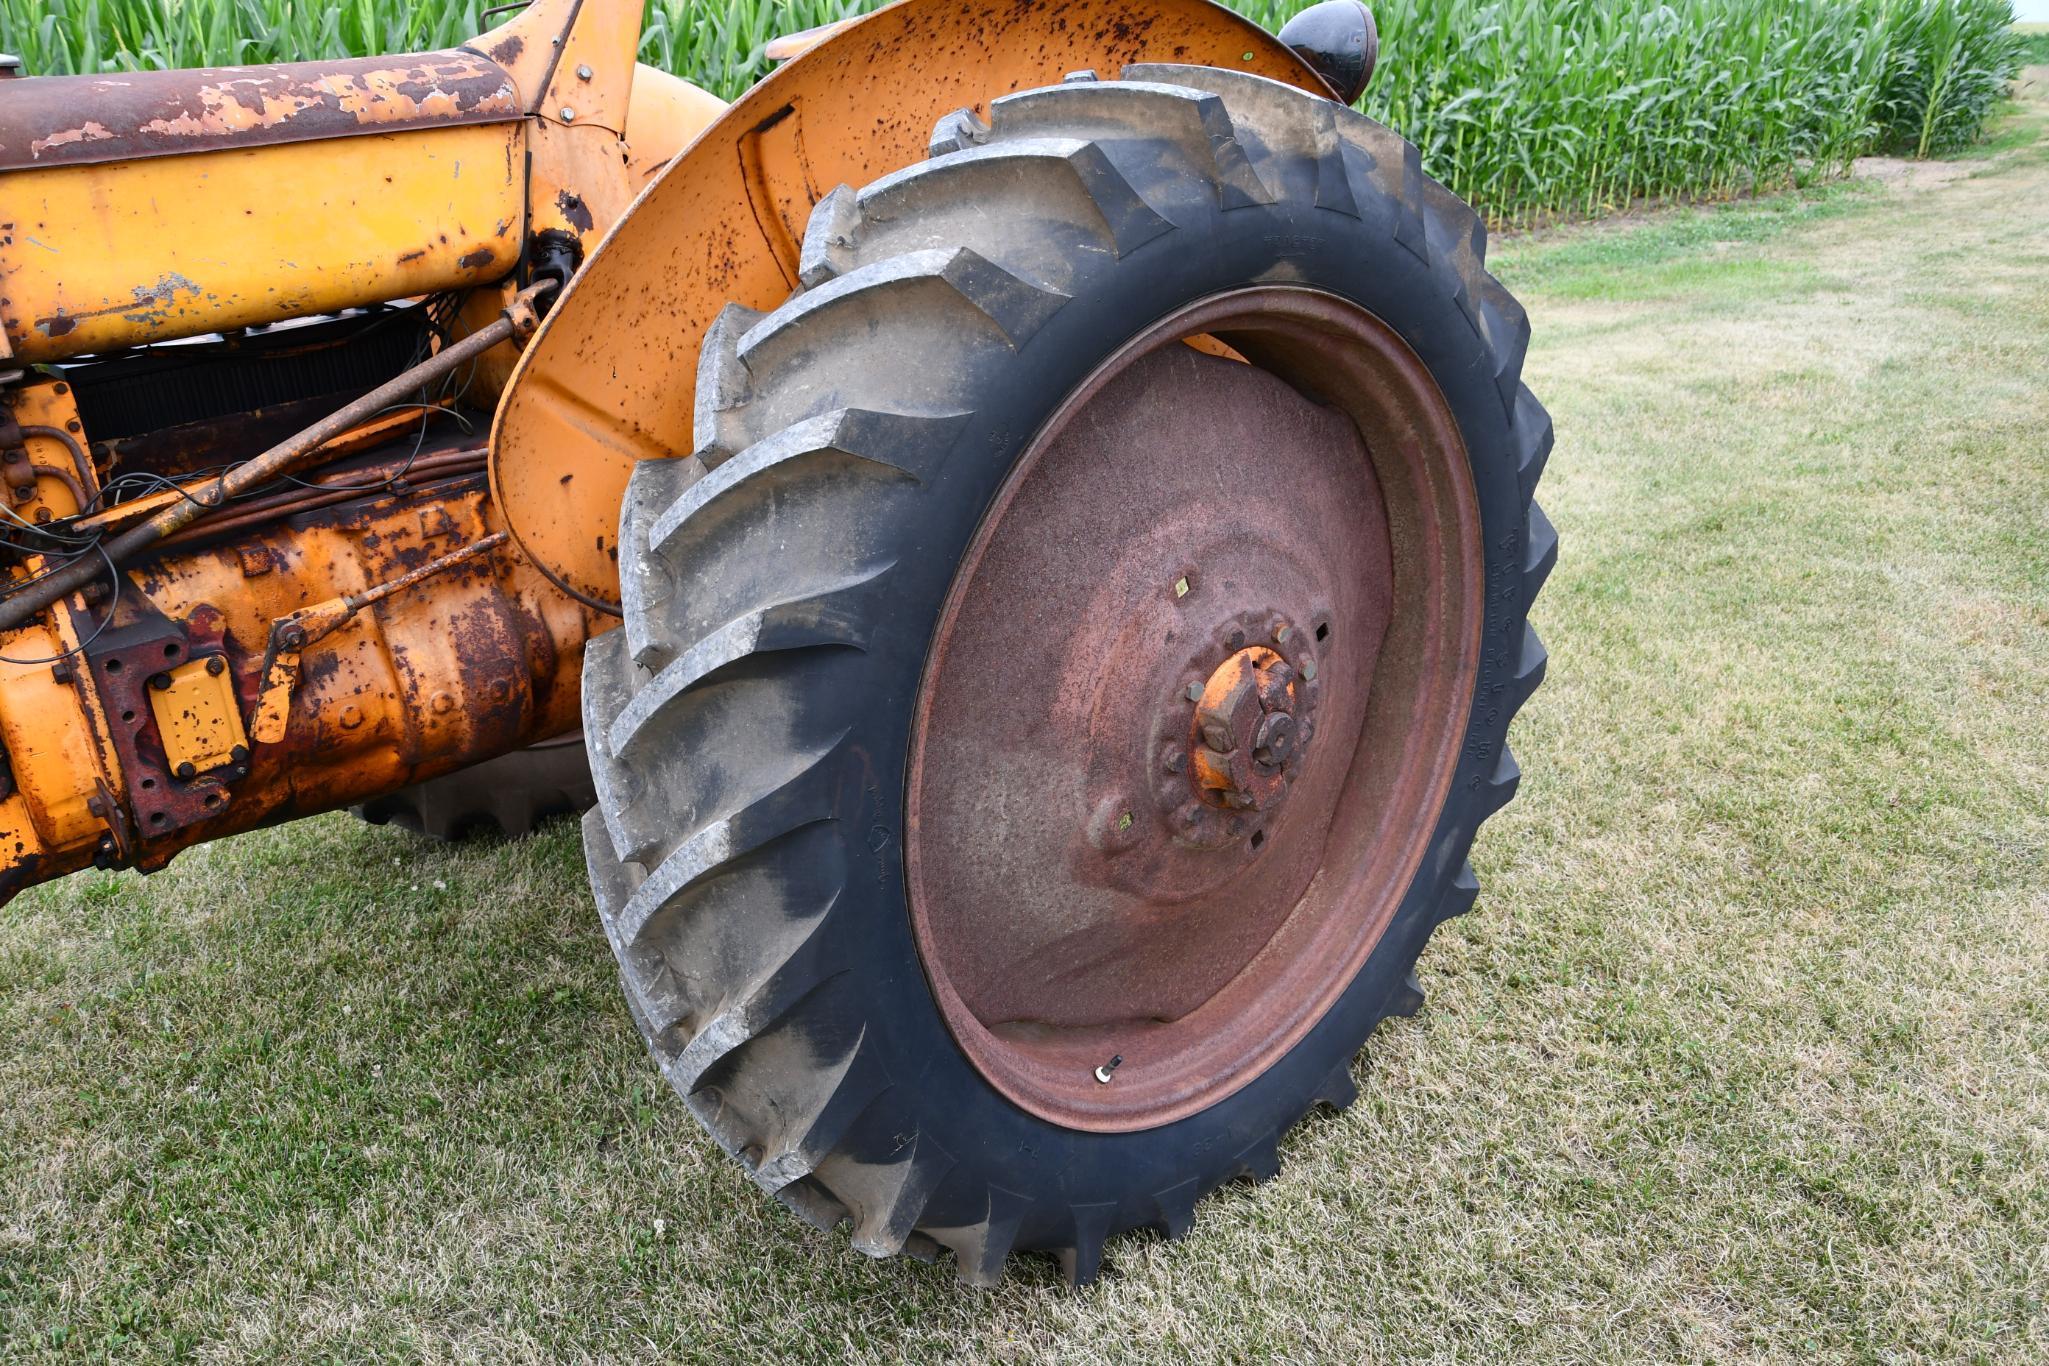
(1251, 729)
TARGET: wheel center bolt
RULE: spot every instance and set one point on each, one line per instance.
(1247, 730)
(1275, 740)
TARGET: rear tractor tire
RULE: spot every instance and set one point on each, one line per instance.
(1057, 697)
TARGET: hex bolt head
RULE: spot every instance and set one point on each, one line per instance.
(1176, 761)
(583, 73)
(216, 666)
(1193, 692)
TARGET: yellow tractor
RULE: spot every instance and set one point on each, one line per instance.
(1028, 510)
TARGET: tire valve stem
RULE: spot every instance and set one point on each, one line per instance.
(1103, 1072)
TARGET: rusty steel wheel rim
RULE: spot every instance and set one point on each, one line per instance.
(1192, 708)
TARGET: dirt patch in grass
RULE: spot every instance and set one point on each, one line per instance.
(1906, 173)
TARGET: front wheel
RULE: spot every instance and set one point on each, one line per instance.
(1057, 698)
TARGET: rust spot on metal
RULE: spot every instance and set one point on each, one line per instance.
(507, 52)
(475, 260)
(82, 120)
(148, 304)
(574, 211)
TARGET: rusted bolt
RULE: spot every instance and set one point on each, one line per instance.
(1281, 633)
(16, 455)
(293, 639)
(24, 492)
(239, 754)
(1111, 826)
(351, 716)
(1309, 668)
(72, 425)
(160, 681)
(443, 702)
(187, 771)
(1193, 692)
(1236, 640)
(568, 114)
(1176, 761)
(1275, 739)
(584, 73)
(96, 808)
(42, 515)
(501, 689)
(1103, 1072)
(215, 665)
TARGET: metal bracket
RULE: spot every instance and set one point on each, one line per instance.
(126, 664)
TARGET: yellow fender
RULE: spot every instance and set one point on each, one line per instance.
(610, 377)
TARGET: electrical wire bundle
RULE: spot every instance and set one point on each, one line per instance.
(61, 543)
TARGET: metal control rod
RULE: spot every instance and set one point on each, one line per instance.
(287, 457)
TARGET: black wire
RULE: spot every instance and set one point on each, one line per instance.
(428, 410)
(98, 631)
(67, 548)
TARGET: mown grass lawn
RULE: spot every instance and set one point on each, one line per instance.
(1744, 1054)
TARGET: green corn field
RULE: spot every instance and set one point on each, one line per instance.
(1529, 110)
